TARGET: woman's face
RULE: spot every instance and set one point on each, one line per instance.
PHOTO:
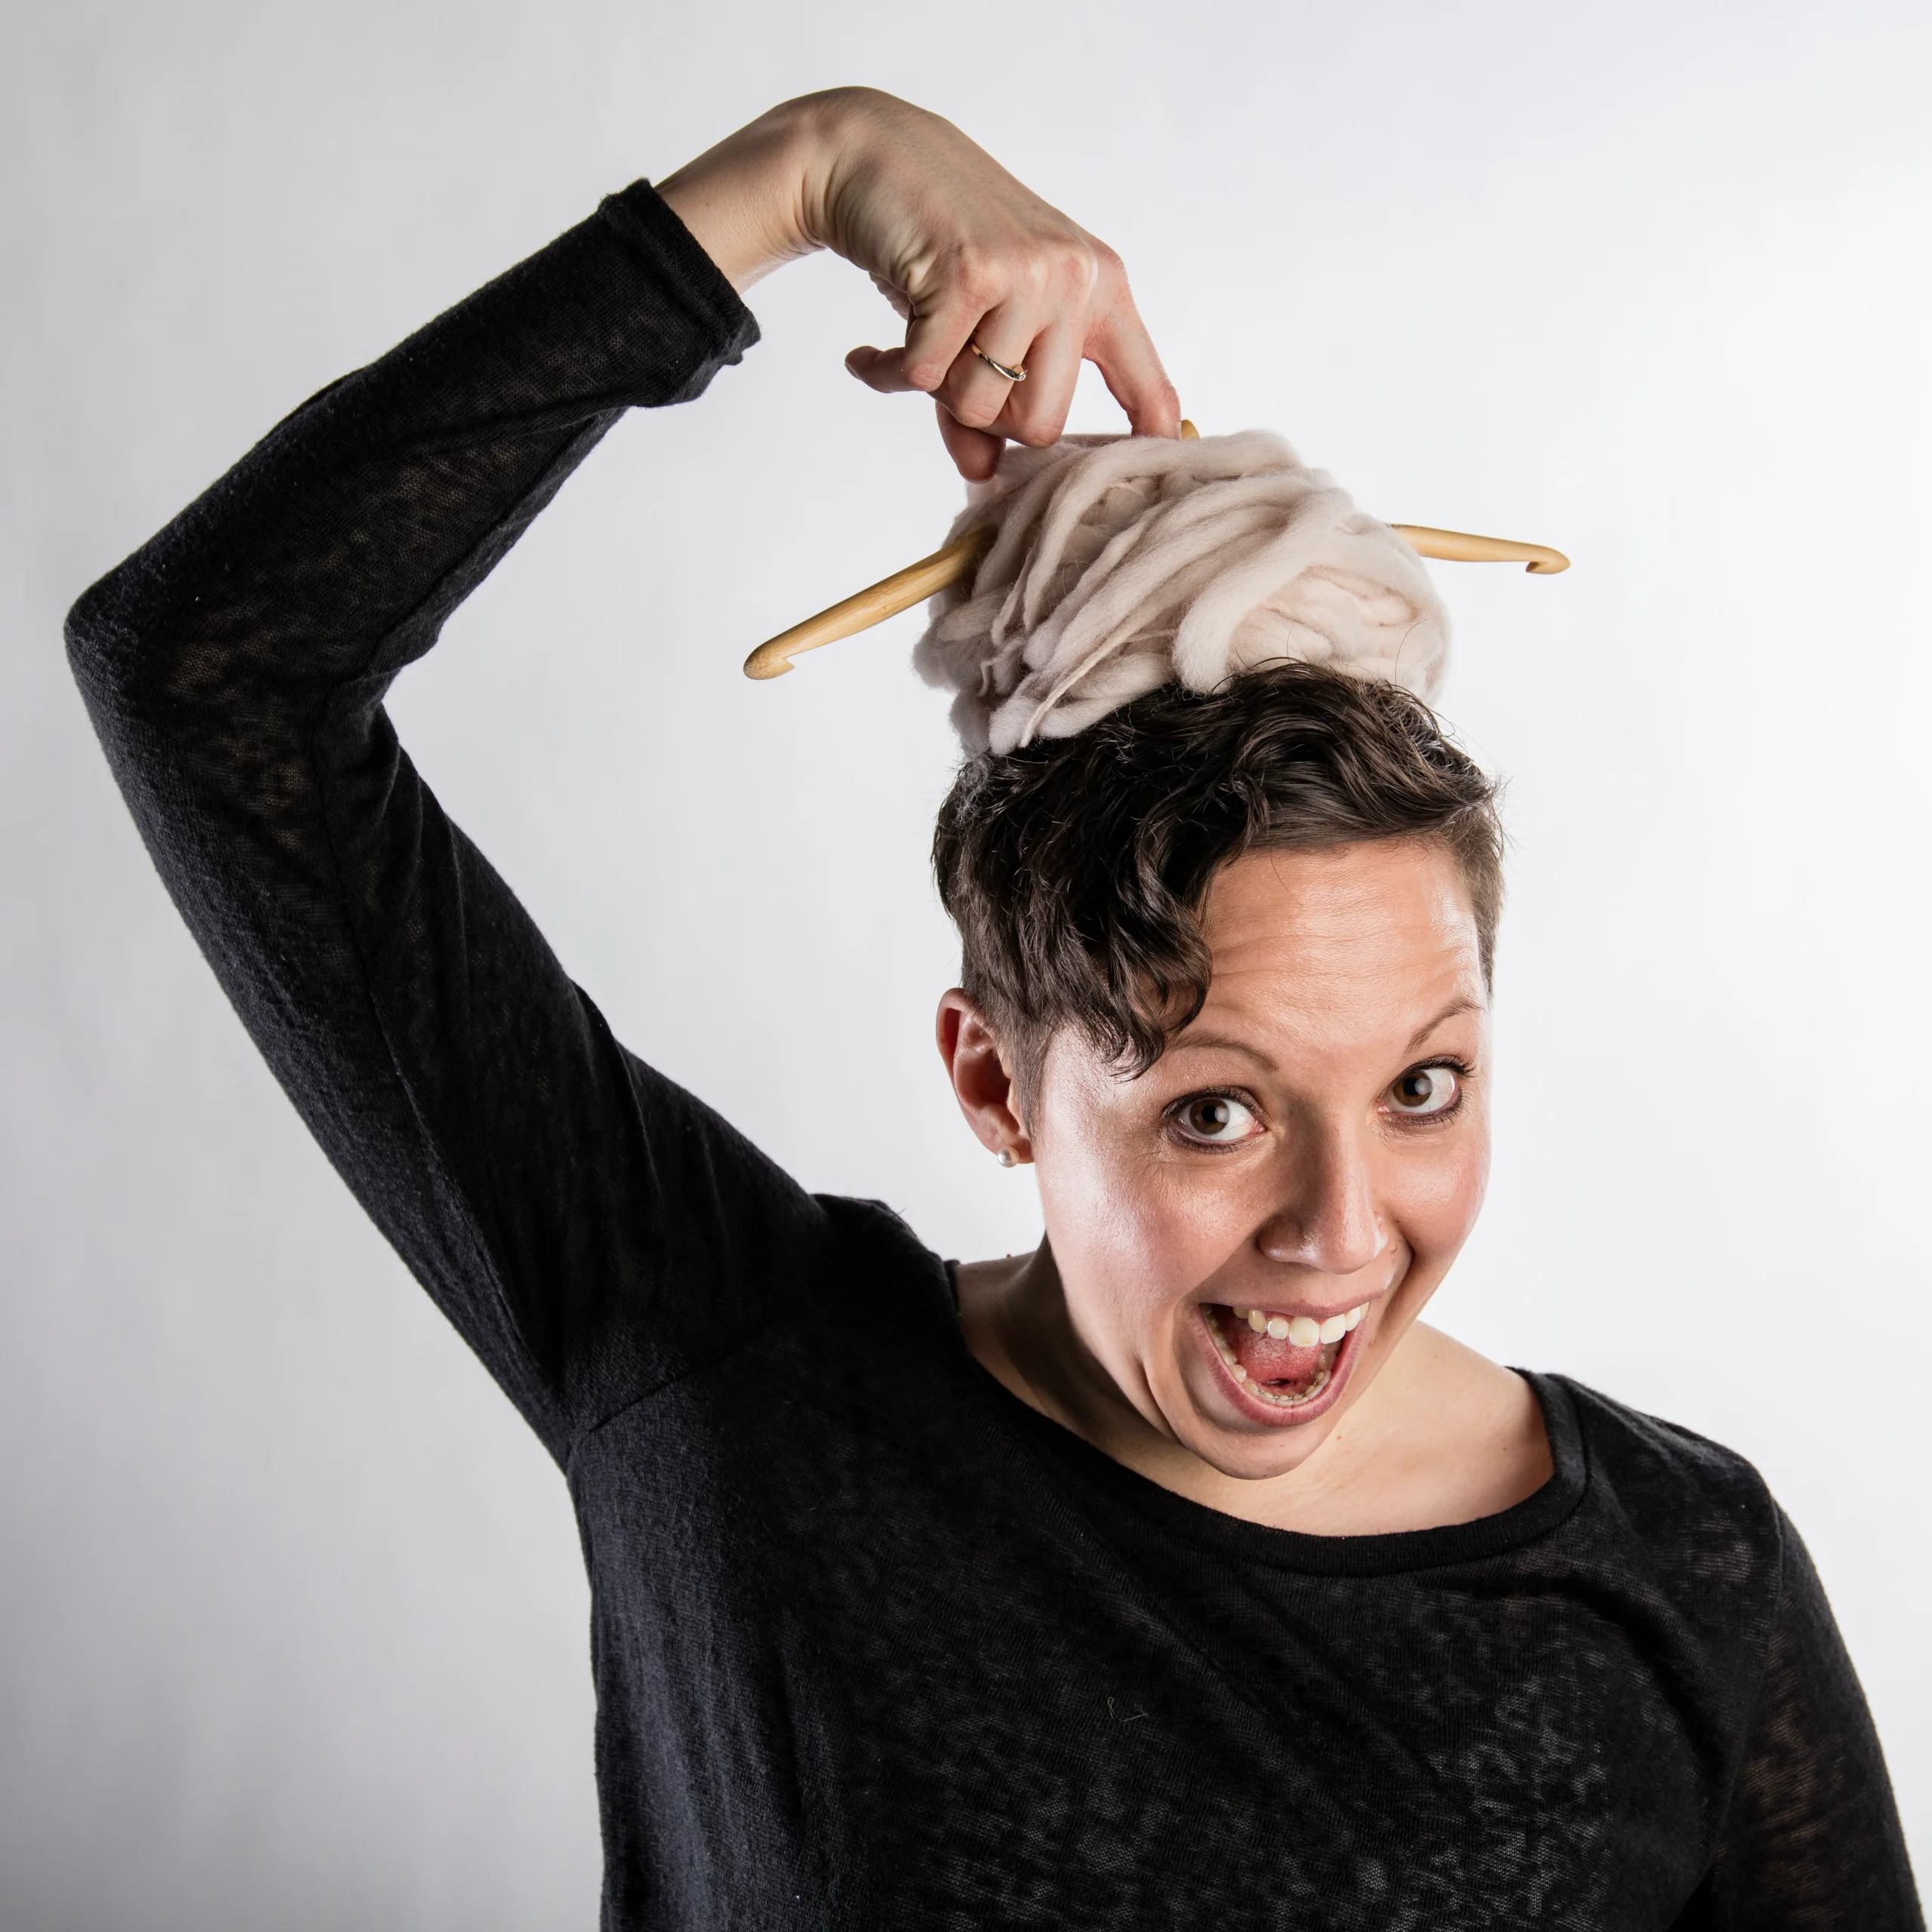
(1244, 1233)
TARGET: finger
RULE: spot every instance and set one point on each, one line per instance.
(1121, 349)
(934, 340)
(1036, 410)
(973, 389)
(974, 393)
(975, 453)
(880, 369)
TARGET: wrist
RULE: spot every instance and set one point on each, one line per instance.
(832, 132)
(743, 200)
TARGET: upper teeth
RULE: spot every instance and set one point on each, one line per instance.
(1303, 1330)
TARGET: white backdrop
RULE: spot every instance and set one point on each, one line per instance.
(293, 1628)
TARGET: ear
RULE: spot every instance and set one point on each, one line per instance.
(981, 1079)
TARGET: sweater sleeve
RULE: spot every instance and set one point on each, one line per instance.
(585, 1224)
(1810, 1840)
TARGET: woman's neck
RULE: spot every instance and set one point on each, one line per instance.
(1441, 1435)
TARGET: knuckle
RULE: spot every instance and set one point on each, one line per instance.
(967, 406)
(1039, 271)
(1039, 419)
(975, 273)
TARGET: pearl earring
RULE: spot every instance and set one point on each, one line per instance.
(1007, 1158)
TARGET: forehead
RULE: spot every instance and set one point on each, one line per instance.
(1379, 936)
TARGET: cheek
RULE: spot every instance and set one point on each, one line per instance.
(1436, 1197)
(1135, 1230)
(1101, 1213)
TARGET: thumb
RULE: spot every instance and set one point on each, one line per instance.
(880, 369)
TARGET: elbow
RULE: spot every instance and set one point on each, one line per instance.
(86, 635)
(109, 645)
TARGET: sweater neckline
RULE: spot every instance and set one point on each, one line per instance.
(1123, 1492)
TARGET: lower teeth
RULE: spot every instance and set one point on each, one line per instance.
(1288, 1398)
(1283, 1398)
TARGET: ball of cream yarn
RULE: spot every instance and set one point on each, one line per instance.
(1120, 563)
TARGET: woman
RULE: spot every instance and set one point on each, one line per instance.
(1173, 1576)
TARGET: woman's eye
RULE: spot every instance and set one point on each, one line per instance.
(1217, 1119)
(1424, 1090)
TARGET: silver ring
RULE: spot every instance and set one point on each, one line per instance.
(1011, 375)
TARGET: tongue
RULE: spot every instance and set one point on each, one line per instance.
(1279, 1364)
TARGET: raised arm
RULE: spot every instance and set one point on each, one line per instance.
(235, 668)
(584, 1223)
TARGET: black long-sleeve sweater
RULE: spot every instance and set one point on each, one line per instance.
(875, 1644)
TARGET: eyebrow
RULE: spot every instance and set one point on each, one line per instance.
(1449, 1012)
(1222, 1043)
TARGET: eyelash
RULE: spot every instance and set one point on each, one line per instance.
(1461, 1069)
(1180, 1107)
(1464, 1073)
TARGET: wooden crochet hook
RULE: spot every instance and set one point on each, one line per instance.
(931, 575)
(872, 605)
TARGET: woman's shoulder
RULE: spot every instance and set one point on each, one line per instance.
(1699, 1513)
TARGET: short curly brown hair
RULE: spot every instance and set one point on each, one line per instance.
(1077, 869)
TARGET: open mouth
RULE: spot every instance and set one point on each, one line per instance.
(1287, 1361)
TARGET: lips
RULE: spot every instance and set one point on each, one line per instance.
(1279, 1368)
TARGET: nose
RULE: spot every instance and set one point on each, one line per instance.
(1328, 1218)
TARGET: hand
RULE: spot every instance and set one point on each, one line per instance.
(959, 248)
